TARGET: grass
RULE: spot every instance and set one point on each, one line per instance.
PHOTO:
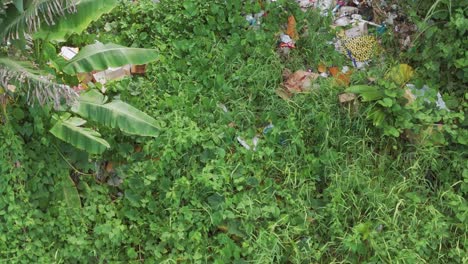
(324, 185)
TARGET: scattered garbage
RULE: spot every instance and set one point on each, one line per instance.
(297, 82)
(359, 49)
(68, 52)
(247, 145)
(412, 93)
(256, 139)
(112, 74)
(287, 41)
(300, 81)
(268, 128)
(223, 107)
(346, 10)
(357, 31)
(255, 19)
(306, 4)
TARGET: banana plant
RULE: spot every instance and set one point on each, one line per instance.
(103, 56)
(116, 114)
(22, 22)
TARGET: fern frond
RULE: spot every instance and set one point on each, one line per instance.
(39, 87)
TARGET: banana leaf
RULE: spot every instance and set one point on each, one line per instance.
(23, 17)
(103, 56)
(93, 105)
(87, 12)
(70, 130)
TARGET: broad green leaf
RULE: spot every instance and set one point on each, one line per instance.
(377, 116)
(28, 16)
(87, 12)
(368, 93)
(19, 5)
(386, 102)
(103, 56)
(391, 131)
(116, 114)
(69, 130)
(68, 193)
(400, 74)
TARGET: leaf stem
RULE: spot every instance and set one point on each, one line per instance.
(69, 164)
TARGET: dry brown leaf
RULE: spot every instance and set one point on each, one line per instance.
(346, 97)
(291, 29)
(334, 70)
(137, 149)
(322, 68)
(340, 78)
(343, 79)
(109, 167)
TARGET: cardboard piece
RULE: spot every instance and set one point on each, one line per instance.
(138, 69)
(112, 74)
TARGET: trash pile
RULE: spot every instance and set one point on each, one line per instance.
(359, 24)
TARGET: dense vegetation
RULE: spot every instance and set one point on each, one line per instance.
(326, 184)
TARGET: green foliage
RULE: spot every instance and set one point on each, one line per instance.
(116, 114)
(399, 109)
(86, 12)
(440, 47)
(322, 186)
(69, 129)
(22, 17)
(103, 56)
(41, 86)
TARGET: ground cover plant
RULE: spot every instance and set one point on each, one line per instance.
(326, 183)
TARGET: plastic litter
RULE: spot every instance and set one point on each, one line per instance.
(286, 41)
(267, 129)
(223, 107)
(243, 143)
(411, 93)
(255, 142)
(246, 145)
(357, 31)
(255, 19)
(347, 11)
(256, 139)
(306, 4)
